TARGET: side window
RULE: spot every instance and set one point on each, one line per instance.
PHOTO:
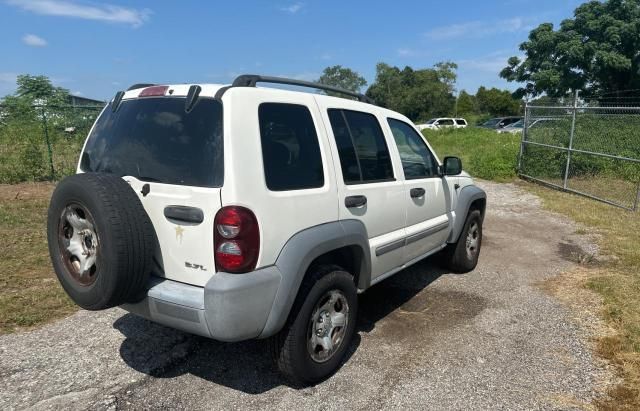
(446, 122)
(290, 150)
(417, 160)
(363, 151)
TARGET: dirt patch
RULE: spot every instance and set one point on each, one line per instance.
(574, 253)
(26, 191)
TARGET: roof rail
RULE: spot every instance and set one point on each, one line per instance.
(140, 85)
(250, 80)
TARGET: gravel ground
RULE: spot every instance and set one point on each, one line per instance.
(426, 339)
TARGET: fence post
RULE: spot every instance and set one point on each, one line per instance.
(524, 135)
(46, 137)
(573, 128)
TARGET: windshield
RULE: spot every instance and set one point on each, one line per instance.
(433, 120)
(517, 124)
(492, 122)
(154, 139)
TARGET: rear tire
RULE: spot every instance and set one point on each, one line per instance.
(462, 256)
(324, 315)
(101, 241)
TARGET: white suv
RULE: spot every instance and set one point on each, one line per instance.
(237, 212)
(442, 123)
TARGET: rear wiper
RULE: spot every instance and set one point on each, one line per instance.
(192, 98)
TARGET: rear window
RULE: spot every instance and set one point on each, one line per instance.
(154, 139)
(461, 122)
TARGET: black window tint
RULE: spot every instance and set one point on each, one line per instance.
(417, 160)
(290, 150)
(154, 139)
(364, 156)
(446, 122)
(460, 122)
(346, 151)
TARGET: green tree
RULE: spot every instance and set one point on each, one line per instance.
(418, 94)
(342, 77)
(33, 91)
(467, 104)
(596, 50)
(497, 102)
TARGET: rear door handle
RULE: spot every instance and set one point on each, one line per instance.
(355, 201)
(184, 214)
(416, 192)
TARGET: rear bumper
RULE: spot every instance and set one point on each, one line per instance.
(230, 307)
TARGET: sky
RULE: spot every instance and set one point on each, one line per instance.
(94, 49)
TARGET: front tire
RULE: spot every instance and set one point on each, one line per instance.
(315, 339)
(462, 256)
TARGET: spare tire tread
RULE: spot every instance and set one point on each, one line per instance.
(131, 239)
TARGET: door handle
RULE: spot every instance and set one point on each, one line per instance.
(355, 201)
(184, 214)
(416, 192)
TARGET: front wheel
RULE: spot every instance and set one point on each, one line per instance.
(462, 256)
(322, 323)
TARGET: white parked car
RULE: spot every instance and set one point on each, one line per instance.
(236, 212)
(442, 123)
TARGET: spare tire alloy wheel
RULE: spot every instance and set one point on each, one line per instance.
(79, 243)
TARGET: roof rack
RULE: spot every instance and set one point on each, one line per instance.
(250, 80)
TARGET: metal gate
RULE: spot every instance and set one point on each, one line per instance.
(584, 147)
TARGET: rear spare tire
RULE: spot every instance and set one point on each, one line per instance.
(101, 240)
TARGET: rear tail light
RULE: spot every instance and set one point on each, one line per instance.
(236, 239)
(153, 91)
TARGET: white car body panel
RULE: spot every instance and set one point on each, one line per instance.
(390, 214)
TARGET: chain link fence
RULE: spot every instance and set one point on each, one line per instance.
(42, 142)
(585, 146)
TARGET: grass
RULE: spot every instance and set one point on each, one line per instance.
(29, 292)
(616, 279)
(485, 153)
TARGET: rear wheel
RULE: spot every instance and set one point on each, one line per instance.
(462, 256)
(320, 328)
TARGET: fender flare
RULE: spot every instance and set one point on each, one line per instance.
(467, 196)
(301, 250)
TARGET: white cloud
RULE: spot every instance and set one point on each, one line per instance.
(104, 12)
(411, 52)
(490, 63)
(34, 41)
(77, 93)
(292, 8)
(479, 29)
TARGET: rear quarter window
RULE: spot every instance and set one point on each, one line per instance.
(290, 149)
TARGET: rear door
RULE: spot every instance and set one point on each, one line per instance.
(368, 189)
(173, 160)
(425, 195)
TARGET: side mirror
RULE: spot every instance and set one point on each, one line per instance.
(451, 166)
